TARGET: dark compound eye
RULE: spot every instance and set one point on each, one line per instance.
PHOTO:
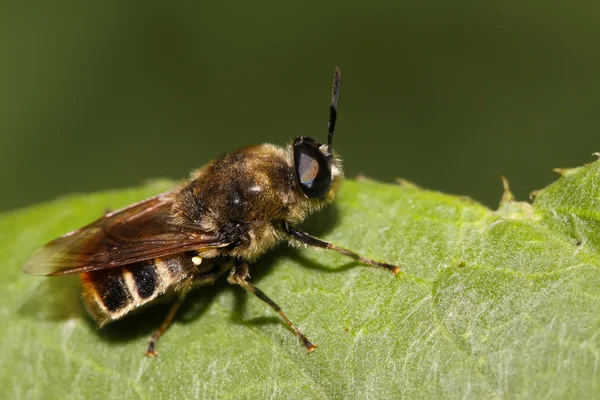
(312, 167)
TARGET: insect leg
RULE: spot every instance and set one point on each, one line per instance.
(239, 275)
(312, 241)
(151, 352)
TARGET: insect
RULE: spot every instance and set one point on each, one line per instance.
(233, 210)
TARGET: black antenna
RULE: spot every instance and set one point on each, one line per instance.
(335, 94)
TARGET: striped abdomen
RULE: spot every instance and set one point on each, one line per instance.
(111, 294)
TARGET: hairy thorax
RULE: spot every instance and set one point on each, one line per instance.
(243, 198)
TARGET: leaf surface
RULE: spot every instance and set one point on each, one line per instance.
(489, 304)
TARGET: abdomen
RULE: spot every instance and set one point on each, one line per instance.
(111, 294)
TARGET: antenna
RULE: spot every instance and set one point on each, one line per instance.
(335, 94)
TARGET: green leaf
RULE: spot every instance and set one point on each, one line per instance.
(489, 304)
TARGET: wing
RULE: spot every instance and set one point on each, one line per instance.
(138, 232)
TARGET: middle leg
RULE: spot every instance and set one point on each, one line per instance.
(239, 275)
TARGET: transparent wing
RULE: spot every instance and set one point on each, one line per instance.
(138, 232)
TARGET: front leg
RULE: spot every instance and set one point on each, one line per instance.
(239, 275)
(312, 241)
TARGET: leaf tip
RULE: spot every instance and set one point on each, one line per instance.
(566, 171)
(507, 196)
(407, 184)
(534, 194)
(509, 207)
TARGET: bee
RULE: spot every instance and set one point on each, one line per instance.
(231, 211)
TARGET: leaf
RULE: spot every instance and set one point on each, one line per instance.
(489, 304)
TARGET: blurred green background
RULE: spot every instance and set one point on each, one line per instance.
(450, 95)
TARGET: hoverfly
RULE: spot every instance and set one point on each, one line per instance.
(233, 210)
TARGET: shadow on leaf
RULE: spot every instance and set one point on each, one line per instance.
(54, 299)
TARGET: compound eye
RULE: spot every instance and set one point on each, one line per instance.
(312, 168)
